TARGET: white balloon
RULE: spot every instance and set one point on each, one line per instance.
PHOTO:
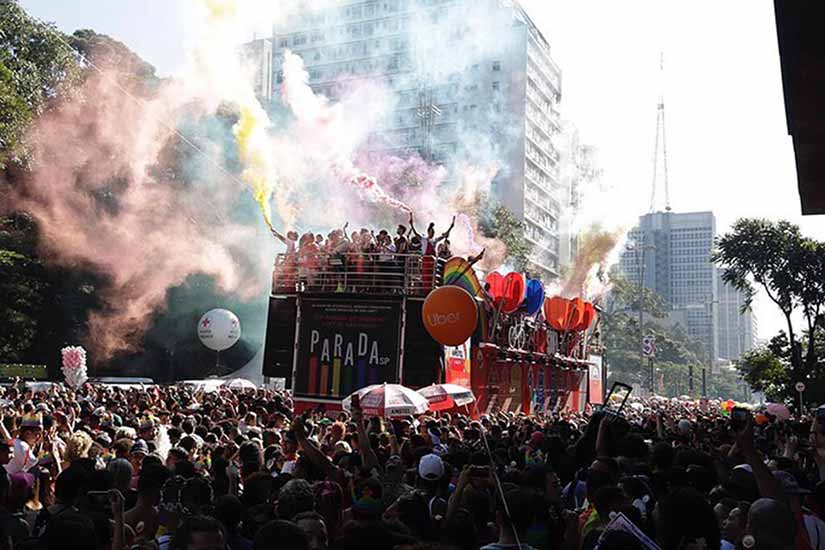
(219, 329)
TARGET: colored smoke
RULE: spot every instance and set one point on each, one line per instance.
(106, 198)
(110, 191)
(594, 247)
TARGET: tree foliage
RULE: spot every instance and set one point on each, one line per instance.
(767, 369)
(790, 268)
(35, 62)
(500, 223)
(676, 353)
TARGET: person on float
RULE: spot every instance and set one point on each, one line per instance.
(428, 251)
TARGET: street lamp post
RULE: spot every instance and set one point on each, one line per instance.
(710, 302)
(637, 249)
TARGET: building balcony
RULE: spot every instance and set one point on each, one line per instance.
(547, 206)
(536, 118)
(544, 166)
(547, 66)
(548, 185)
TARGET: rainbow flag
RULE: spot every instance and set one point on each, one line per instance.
(458, 272)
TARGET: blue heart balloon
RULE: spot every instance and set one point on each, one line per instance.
(534, 297)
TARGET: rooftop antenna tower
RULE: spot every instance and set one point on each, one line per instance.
(428, 112)
(660, 152)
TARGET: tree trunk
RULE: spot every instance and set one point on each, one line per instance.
(810, 353)
(796, 358)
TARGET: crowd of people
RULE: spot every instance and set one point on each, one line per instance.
(173, 467)
(363, 260)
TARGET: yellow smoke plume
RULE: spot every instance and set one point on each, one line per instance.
(220, 62)
(594, 247)
(249, 131)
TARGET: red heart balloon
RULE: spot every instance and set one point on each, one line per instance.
(495, 286)
(515, 288)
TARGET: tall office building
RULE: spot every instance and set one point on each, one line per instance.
(674, 250)
(737, 330)
(258, 58)
(473, 82)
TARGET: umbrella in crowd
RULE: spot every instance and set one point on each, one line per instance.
(388, 400)
(447, 396)
(779, 410)
(239, 384)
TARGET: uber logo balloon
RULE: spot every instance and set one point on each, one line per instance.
(219, 329)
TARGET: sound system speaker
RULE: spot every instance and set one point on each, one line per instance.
(423, 356)
(280, 338)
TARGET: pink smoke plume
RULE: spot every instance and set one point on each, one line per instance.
(336, 132)
(151, 240)
(339, 138)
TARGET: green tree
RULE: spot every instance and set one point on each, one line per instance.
(766, 369)
(34, 63)
(500, 223)
(675, 352)
(767, 373)
(790, 268)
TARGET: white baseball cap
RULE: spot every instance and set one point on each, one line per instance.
(431, 467)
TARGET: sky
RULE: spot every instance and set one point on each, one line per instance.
(727, 143)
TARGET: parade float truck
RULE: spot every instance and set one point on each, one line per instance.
(339, 323)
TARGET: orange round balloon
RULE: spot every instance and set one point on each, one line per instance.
(450, 315)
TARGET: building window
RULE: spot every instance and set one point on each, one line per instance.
(283, 43)
(299, 39)
(496, 65)
(496, 85)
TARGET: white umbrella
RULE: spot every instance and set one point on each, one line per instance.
(447, 396)
(388, 400)
(239, 384)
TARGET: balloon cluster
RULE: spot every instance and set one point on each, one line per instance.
(74, 366)
(513, 292)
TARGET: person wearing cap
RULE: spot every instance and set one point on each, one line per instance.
(26, 445)
(137, 453)
(794, 493)
(431, 474)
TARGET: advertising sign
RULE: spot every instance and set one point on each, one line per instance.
(458, 364)
(595, 380)
(344, 346)
(14, 370)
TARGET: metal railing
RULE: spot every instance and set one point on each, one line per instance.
(379, 273)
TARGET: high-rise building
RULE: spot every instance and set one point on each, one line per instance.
(258, 58)
(737, 329)
(673, 250)
(474, 83)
